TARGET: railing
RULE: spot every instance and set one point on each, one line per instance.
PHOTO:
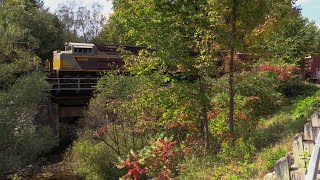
(72, 84)
(313, 166)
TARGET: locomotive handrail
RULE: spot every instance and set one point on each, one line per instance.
(77, 83)
(74, 78)
(72, 84)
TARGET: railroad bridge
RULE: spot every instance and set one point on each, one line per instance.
(68, 98)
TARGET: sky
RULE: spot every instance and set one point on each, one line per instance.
(310, 8)
(53, 4)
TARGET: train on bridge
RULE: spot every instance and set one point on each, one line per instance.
(80, 64)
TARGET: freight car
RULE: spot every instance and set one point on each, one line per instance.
(87, 60)
(312, 68)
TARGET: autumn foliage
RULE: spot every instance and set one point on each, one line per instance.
(157, 160)
(283, 72)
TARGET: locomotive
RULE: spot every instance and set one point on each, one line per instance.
(87, 60)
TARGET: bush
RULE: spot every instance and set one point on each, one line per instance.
(94, 160)
(256, 96)
(158, 160)
(273, 157)
(18, 151)
(22, 141)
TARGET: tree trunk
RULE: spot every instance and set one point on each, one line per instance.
(204, 111)
(231, 66)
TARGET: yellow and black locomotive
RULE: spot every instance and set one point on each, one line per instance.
(86, 59)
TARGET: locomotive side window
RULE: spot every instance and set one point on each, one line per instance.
(67, 48)
(83, 50)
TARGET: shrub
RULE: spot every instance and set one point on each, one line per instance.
(17, 151)
(158, 160)
(94, 160)
(239, 150)
(22, 141)
(273, 157)
(256, 96)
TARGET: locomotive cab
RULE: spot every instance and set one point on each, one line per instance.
(80, 48)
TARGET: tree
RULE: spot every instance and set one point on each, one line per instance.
(35, 3)
(286, 37)
(47, 29)
(172, 28)
(22, 88)
(41, 29)
(81, 23)
(207, 29)
(237, 20)
(113, 32)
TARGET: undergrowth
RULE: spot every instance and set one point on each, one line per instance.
(255, 156)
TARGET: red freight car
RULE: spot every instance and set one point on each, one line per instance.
(312, 68)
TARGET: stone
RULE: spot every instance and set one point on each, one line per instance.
(270, 176)
(47, 174)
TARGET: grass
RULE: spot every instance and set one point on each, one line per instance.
(273, 137)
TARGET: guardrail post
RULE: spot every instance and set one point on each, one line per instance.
(313, 166)
(312, 170)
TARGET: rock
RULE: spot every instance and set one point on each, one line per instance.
(47, 175)
(270, 176)
(11, 176)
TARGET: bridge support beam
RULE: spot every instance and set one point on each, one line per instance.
(48, 116)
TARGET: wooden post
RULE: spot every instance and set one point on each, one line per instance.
(297, 144)
(315, 120)
(308, 132)
(315, 131)
(282, 168)
(297, 174)
(308, 146)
